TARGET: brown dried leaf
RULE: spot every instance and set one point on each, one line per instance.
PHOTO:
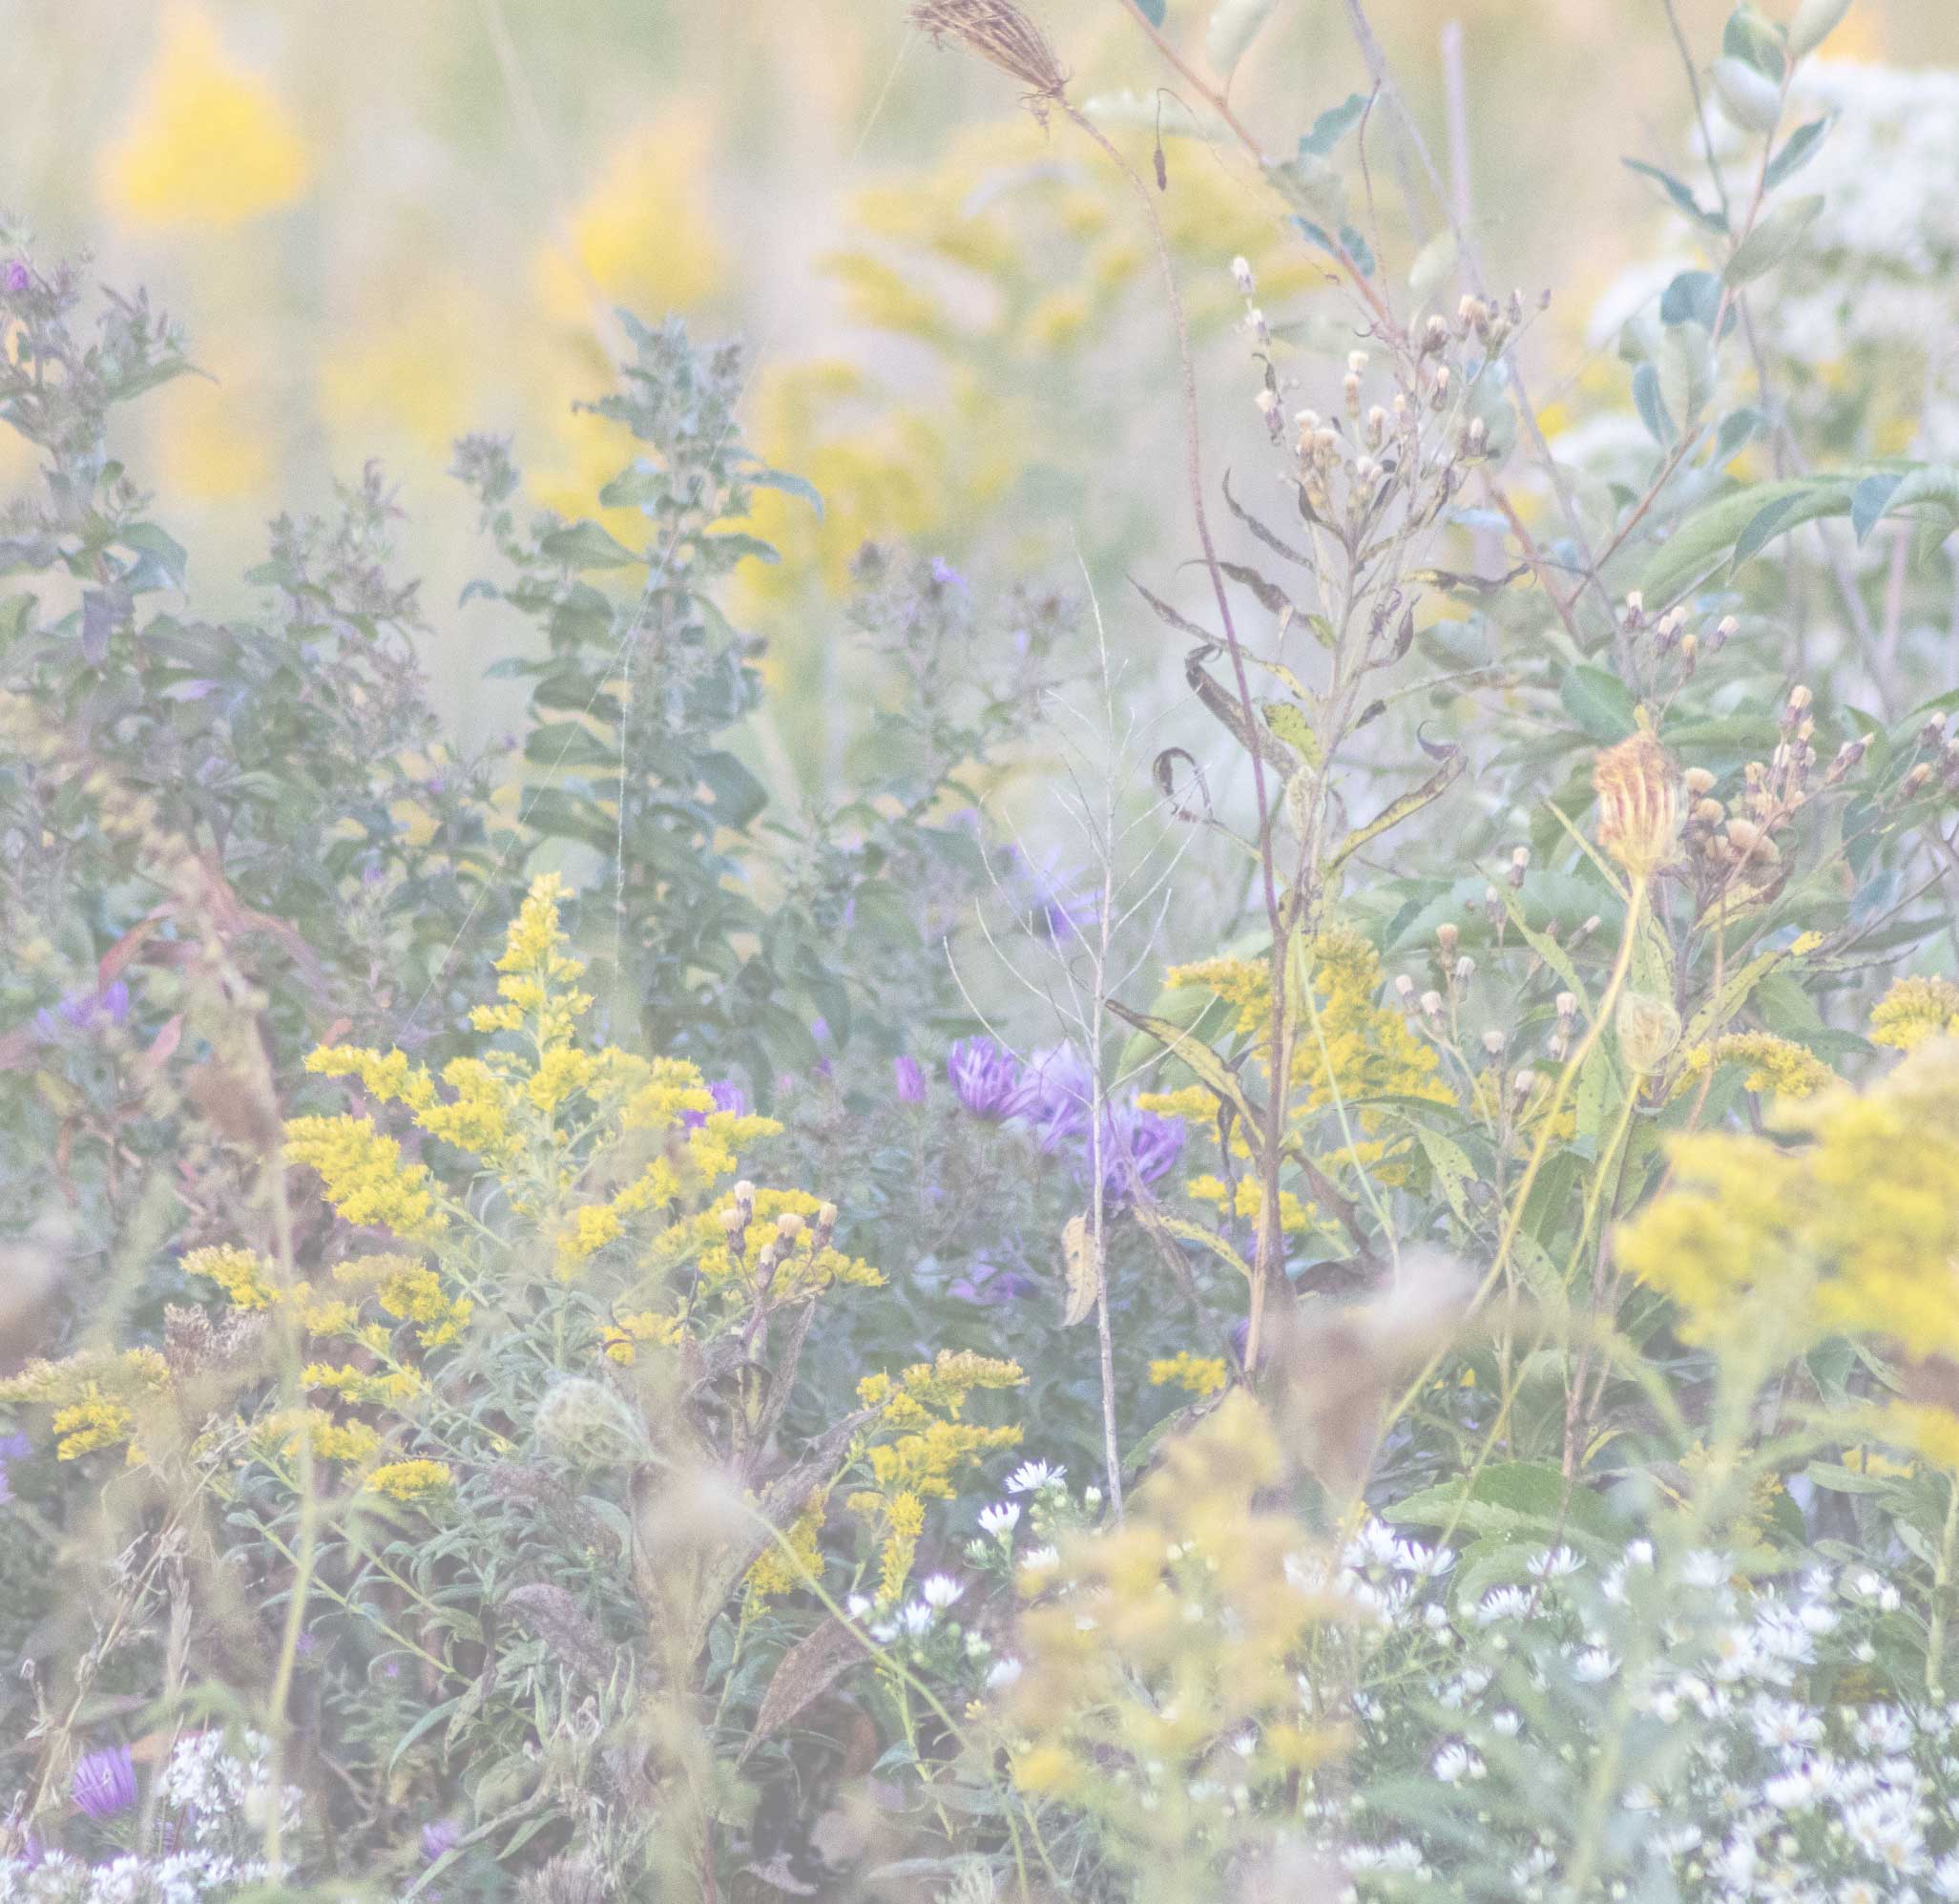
(805, 1672)
(1084, 1262)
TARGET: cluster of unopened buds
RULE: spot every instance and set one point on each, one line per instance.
(1741, 832)
(1670, 634)
(791, 1230)
(1944, 762)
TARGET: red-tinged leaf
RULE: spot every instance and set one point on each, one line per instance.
(162, 1046)
(807, 1671)
(110, 966)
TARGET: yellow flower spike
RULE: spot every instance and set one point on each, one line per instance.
(209, 144)
(1196, 1374)
(410, 1480)
(1852, 1230)
(91, 1422)
(391, 1075)
(364, 1176)
(1915, 1011)
(244, 1275)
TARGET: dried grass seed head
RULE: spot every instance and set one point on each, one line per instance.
(1002, 35)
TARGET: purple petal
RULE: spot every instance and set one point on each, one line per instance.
(985, 1078)
(105, 1781)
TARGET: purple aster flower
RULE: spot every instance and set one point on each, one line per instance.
(989, 1286)
(1056, 1090)
(908, 1079)
(18, 277)
(727, 1096)
(438, 1837)
(946, 577)
(15, 1447)
(105, 1781)
(985, 1076)
(82, 1009)
(1138, 1149)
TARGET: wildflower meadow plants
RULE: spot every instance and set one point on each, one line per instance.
(1329, 1268)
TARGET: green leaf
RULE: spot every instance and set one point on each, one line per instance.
(1683, 198)
(1293, 728)
(1752, 40)
(1152, 10)
(1762, 526)
(1397, 810)
(1211, 1070)
(1357, 249)
(586, 545)
(1798, 150)
(1753, 100)
(1693, 297)
(1452, 1166)
(1870, 498)
(1813, 22)
(1700, 542)
(1185, 1231)
(1513, 1499)
(168, 553)
(1778, 233)
(794, 486)
(1599, 702)
(1332, 125)
(1652, 405)
(1232, 28)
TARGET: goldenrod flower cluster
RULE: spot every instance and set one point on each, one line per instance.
(515, 1111)
(98, 1398)
(1195, 1375)
(1161, 1655)
(1349, 1048)
(1774, 1064)
(410, 1480)
(1843, 1222)
(928, 1445)
(1915, 1009)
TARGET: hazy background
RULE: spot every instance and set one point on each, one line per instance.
(385, 223)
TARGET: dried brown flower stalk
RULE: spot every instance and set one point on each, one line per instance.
(1002, 35)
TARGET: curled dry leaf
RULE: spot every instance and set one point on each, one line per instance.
(1081, 1253)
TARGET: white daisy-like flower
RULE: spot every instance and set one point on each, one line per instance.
(1556, 1564)
(1002, 1517)
(1502, 1603)
(1032, 1477)
(916, 1620)
(1002, 1673)
(1594, 1667)
(941, 1591)
(1704, 1569)
(1041, 1560)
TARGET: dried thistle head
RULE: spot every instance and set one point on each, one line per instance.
(1638, 805)
(1000, 34)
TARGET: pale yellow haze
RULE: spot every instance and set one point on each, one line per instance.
(207, 143)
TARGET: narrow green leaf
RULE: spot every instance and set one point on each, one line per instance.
(1777, 234)
(1798, 150)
